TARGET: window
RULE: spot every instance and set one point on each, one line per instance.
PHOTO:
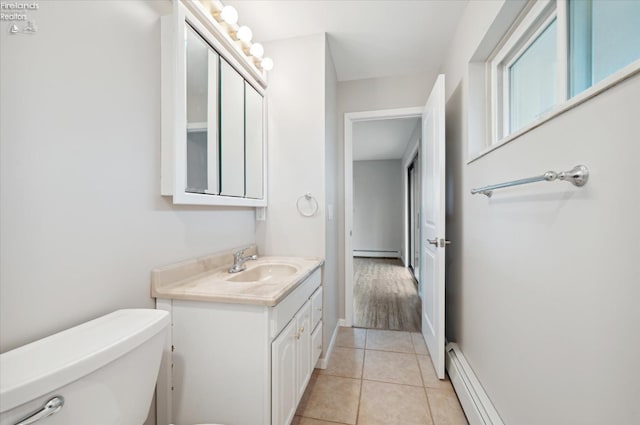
(533, 79)
(604, 37)
(555, 51)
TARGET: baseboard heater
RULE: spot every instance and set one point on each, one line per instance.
(474, 400)
(375, 253)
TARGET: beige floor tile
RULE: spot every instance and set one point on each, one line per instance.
(445, 407)
(346, 362)
(331, 398)
(418, 343)
(386, 404)
(351, 337)
(429, 376)
(299, 420)
(398, 341)
(397, 368)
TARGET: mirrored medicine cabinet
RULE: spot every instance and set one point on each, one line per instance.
(213, 115)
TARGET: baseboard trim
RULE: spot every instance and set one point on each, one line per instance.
(474, 400)
(323, 361)
(375, 253)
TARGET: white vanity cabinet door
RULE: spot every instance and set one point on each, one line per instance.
(303, 319)
(316, 344)
(284, 388)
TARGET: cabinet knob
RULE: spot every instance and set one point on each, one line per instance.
(302, 329)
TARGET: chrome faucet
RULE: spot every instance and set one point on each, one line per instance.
(239, 260)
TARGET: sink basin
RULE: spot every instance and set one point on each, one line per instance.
(264, 273)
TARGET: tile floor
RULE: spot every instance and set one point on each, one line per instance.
(379, 377)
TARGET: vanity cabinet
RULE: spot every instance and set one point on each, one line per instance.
(240, 364)
(213, 133)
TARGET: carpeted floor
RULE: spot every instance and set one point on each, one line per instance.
(385, 295)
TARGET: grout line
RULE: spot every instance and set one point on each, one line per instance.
(426, 394)
(421, 374)
(390, 351)
(393, 383)
(364, 357)
(424, 388)
(323, 420)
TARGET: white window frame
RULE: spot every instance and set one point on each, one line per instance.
(486, 82)
(523, 34)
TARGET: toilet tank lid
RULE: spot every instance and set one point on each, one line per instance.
(45, 365)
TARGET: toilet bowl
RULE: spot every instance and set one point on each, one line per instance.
(101, 372)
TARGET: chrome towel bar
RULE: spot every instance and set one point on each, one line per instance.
(578, 176)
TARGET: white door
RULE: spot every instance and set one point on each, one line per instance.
(432, 159)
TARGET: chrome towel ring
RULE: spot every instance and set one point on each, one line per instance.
(309, 207)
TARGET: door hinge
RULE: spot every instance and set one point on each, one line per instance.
(173, 348)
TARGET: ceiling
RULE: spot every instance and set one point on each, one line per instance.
(382, 139)
(367, 39)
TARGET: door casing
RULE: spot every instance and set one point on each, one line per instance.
(349, 119)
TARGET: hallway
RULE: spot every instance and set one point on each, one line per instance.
(385, 295)
(379, 377)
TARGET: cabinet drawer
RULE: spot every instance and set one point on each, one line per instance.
(316, 307)
(316, 345)
(284, 311)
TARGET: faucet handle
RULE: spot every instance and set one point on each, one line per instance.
(240, 252)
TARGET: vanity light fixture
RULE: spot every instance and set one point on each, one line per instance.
(229, 14)
(267, 64)
(244, 34)
(227, 17)
(256, 50)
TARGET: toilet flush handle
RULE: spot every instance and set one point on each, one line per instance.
(51, 407)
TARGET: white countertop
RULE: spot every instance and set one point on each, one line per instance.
(205, 279)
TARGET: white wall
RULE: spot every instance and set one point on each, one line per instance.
(542, 285)
(296, 147)
(332, 278)
(378, 206)
(81, 217)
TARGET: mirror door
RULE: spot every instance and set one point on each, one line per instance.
(202, 115)
(232, 167)
(253, 142)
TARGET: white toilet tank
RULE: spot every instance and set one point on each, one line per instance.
(105, 370)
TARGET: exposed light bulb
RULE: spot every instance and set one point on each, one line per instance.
(229, 14)
(244, 34)
(256, 50)
(267, 64)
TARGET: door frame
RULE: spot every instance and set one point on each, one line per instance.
(409, 217)
(349, 119)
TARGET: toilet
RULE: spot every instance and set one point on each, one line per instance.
(101, 372)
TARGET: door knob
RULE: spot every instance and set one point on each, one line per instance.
(439, 242)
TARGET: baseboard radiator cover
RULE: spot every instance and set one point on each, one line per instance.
(474, 400)
(374, 253)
